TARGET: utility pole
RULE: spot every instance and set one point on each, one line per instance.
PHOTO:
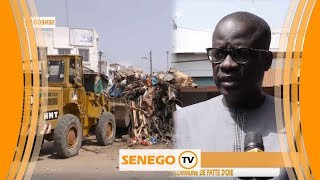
(167, 60)
(150, 63)
(100, 62)
(252, 5)
(67, 13)
(150, 59)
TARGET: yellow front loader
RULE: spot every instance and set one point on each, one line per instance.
(72, 111)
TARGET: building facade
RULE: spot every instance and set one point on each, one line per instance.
(191, 58)
(64, 40)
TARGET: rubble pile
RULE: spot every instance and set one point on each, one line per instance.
(152, 101)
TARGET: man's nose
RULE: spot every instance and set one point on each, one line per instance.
(228, 64)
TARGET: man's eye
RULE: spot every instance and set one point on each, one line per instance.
(241, 53)
(218, 54)
(237, 53)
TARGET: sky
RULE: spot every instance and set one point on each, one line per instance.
(129, 29)
(204, 14)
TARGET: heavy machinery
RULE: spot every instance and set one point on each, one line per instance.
(72, 109)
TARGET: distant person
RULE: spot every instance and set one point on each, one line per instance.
(240, 55)
(98, 84)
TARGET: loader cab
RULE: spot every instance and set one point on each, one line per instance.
(64, 71)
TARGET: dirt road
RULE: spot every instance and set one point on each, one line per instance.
(93, 162)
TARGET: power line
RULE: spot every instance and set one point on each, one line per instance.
(183, 27)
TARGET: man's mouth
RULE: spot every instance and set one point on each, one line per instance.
(229, 81)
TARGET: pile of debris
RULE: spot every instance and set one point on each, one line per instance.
(152, 101)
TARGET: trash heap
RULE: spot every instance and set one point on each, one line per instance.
(152, 101)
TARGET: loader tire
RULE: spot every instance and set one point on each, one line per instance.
(67, 136)
(106, 129)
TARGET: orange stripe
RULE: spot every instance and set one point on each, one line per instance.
(35, 88)
(241, 159)
(279, 80)
(12, 87)
(294, 91)
(309, 94)
(286, 93)
(37, 145)
(27, 69)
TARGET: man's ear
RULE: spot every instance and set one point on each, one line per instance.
(268, 60)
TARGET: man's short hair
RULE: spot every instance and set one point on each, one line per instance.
(262, 26)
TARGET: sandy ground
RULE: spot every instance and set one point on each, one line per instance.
(92, 162)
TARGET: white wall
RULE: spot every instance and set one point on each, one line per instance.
(59, 38)
(193, 64)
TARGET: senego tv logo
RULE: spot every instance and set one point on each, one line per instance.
(159, 159)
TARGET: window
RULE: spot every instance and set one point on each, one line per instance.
(85, 54)
(56, 71)
(64, 51)
(72, 70)
(78, 71)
